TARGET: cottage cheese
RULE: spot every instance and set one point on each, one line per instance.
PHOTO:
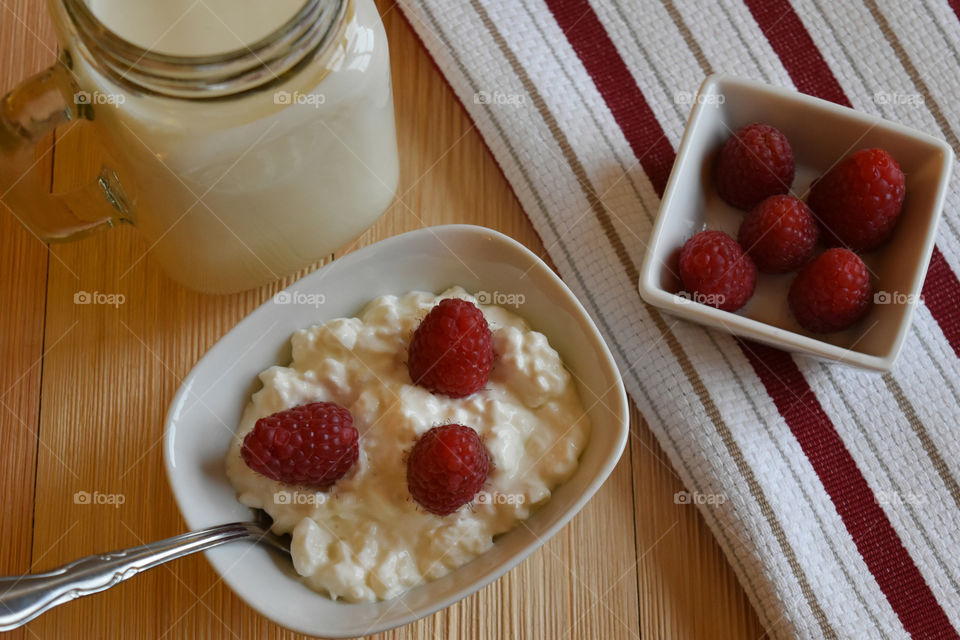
(366, 539)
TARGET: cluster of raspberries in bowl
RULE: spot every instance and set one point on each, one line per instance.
(314, 445)
(853, 207)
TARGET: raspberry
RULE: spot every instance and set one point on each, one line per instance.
(755, 163)
(779, 234)
(312, 445)
(451, 352)
(832, 292)
(446, 468)
(858, 201)
(716, 271)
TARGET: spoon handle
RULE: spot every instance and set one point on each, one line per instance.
(23, 598)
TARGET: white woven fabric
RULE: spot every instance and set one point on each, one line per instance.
(553, 132)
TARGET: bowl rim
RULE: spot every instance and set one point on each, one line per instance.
(616, 402)
(760, 331)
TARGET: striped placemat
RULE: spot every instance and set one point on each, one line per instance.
(842, 509)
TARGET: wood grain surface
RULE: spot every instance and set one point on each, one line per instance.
(84, 390)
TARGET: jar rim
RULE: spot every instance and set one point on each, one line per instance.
(265, 62)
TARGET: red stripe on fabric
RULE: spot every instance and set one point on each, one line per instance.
(796, 49)
(613, 80)
(883, 552)
(878, 543)
(941, 294)
(955, 5)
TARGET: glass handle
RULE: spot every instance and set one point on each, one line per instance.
(29, 112)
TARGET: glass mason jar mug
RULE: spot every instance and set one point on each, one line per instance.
(240, 154)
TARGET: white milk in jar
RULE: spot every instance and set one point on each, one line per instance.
(237, 190)
(190, 28)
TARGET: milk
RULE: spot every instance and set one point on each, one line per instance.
(191, 28)
(238, 192)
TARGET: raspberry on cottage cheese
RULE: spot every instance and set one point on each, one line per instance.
(366, 539)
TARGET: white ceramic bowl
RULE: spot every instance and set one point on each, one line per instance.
(208, 405)
(821, 134)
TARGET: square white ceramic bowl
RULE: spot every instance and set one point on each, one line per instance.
(207, 408)
(821, 134)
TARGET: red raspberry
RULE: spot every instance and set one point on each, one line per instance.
(451, 352)
(858, 201)
(832, 292)
(447, 467)
(755, 163)
(779, 234)
(716, 271)
(312, 445)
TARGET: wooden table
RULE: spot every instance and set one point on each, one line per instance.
(85, 389)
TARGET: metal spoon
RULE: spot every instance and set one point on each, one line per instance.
(23, 598)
